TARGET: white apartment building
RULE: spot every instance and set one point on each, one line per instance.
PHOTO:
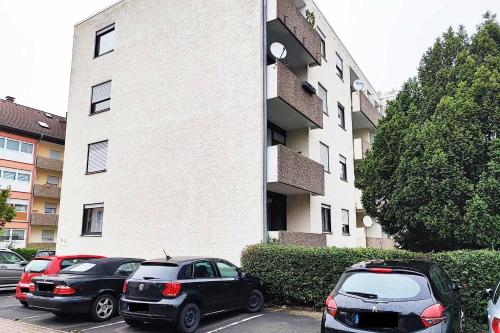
(185, 134)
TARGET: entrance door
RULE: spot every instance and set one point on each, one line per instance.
(276, 211)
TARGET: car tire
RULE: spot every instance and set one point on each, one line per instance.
(255, 302)
(103, 308)
(189, 318)
(132, 322)
(24, 303)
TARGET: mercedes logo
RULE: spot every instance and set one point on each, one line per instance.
(141, 287)
(374, 309)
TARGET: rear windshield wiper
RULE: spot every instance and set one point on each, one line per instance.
(150, 278)
(365, 295)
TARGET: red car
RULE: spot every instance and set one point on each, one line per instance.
(44, 266)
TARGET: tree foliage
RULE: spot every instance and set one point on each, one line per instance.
(432, 178)
(7, 211)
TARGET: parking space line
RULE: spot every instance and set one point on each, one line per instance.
(101, 326)
(235, 323)
(39, 316)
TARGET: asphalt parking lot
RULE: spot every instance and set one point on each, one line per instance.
(268, 321)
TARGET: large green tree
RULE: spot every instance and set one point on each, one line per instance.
(432, 178)
(7, 211)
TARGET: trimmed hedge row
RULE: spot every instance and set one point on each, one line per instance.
(298, 275)
(26, 253)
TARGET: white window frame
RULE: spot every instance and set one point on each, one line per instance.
(21, 143)
(348, 233)
(325, 100)
(51, 240)
(327, 166)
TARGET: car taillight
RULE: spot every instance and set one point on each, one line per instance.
(495, 325)
(32, 287)
(124, 287)
(172, 289)
(380, 270)
(331, 306)
(63, 290)
(433, 315)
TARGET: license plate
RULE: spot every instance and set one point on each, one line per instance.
(138, 307)
(378, 319)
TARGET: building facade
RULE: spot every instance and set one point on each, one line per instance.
(186, 134)
(31, 160)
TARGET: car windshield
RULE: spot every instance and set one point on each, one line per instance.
(37, 266)
(156, 272)
(392, 286)
(78, 268)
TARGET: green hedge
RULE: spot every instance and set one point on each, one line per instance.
(26, 253)
(297, 275)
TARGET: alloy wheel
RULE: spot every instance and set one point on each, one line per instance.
(104, 308)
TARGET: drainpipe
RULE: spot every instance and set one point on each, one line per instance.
(264, 125)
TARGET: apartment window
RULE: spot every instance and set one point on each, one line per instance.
(104, 41)
(372, 137)
(97, 157)
(341, 114)
(323, 44)
(21, 208)
(326, 217)
(12, 234)
(10, 175)
(55, 155)
(345, 222)
(339, 65)
(48, 236)
(323, 94)
(51, 180)
(275, 135)
(50, 208)
(325, 156)
(16, 145)
(343, 167)
(101, 98)
(13, 174)
(92, 219)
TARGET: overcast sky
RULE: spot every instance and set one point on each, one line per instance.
(385, 37)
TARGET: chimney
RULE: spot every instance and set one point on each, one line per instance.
(10, 99)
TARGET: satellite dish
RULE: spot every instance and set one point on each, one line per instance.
(367, 221)
(278, 50)
(358, 85)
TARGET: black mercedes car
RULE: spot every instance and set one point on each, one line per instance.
(182, 290)
(92, 287)
(394, 296)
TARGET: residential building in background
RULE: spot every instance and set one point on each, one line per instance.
(31, 160)
(185, 133)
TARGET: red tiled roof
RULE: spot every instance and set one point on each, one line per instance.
(24, 119)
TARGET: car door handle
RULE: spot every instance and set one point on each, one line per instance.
(3, 267)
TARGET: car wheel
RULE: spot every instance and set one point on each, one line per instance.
(255, 301)
(132, 322)
(189, 319)
(103, 308)
(461, 321)
(24, 303)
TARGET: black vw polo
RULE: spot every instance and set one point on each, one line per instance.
(184, 289)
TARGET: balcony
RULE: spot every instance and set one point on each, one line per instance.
(364, 114)
(299, 238)
(290, 106)
(46, 191)
(287, 25)
(291, 173)
(361, 147)
(49, 164)
(43, 245)
(44, 219)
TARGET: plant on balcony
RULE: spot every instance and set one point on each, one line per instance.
(311, 18)
(7, 211)
(432, 178)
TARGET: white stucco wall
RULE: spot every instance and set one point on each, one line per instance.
(185, 131)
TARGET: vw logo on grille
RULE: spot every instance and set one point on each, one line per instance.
(141, 287)
(374, 309)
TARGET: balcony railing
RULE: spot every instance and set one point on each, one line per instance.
(288, 26)
(364, 114)
(49, 163)
(291, 173)
(46, 191)
(43, 245)
(361, 147)
(44, 219)
(290, 106)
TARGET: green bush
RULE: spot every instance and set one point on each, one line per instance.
(297, 275)
(26, 253)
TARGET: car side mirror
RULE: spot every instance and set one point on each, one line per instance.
(241, 274)
(488, 294)
(23, 263)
